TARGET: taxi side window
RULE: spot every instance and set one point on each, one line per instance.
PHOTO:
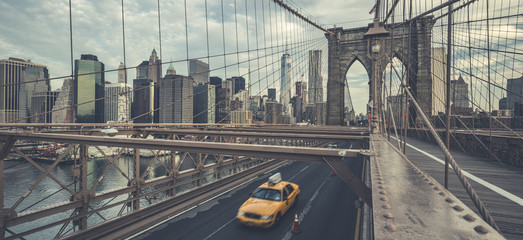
(289, 188)
(285, 194)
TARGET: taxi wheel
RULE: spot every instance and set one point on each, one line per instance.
(277, 220)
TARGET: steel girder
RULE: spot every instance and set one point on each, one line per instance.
(243, 157)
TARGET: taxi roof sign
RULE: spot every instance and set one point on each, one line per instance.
(276, 178)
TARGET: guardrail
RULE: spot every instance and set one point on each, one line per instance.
(189, 169)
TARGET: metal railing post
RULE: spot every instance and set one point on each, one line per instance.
(3, 153)
(84, 191)
(136, 179)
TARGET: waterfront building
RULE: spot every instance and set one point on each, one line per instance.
(19, 80)
(89, 89)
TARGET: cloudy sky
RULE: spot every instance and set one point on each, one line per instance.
(39, 31)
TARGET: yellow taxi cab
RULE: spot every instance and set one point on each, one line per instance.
(268, 202)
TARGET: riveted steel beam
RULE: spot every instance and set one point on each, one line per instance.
(280, 152)
(350, 179)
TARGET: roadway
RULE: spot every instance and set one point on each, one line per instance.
(326, 209)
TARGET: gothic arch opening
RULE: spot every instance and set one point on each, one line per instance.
(356, 92)
(394, 98)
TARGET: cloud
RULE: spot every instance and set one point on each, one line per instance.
(39, 30)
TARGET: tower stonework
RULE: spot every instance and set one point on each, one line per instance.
(349, 45)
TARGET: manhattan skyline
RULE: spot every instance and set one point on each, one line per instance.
(47, 41)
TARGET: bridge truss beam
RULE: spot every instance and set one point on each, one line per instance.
(211, 162)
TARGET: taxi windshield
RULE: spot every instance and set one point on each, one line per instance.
(267, 194)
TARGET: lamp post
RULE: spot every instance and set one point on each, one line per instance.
(375, 49)
(375, 33)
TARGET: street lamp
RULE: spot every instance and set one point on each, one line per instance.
(375, 33)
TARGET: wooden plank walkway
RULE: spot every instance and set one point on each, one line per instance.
(507, 213)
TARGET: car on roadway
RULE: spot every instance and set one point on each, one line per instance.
(332, 145)
(268, 202)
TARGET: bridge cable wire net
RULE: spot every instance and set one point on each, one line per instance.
(486, 55)
(277, 31)
(299, 48)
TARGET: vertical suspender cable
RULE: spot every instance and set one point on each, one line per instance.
(488, 75)
(186, 34)
(272, 45)
(124, 63)
(207, 34)
(248, 42)
(223, 42)
(406, 82)
(72, 62)
(257, 45)
(237, 43)
(470, 64)
(265, 47)
(448, 110)
(159, 31)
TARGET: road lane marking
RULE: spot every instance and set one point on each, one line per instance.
(156, 225)
(306, 210)
(189, 209)
(486, 184)
(299, 172)
(217, 230)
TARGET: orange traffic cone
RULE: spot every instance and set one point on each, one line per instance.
(296, 227)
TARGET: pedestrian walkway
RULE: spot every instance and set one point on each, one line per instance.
(500, 187)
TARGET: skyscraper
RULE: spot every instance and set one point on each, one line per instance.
(176, 98)
(199, 71)
(223, 105)
(285, 85)
(216, 81)
(438, 62)
(204, 103)
(459, 93)
(155, 74)
(515, 87)
(122, 74)
(89, 89)
(63, 107)
(273, 113)
(141, 107)
(41, 106)
(243, 97)
(300, 100)
(152, 70)
(117, 102)
(271, 92)
(235, 84)
(142, 71)
(315, 77)
(17, 87)
(155, 67)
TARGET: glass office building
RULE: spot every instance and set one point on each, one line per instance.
(89, 89)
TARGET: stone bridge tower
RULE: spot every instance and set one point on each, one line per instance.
(349, 45)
